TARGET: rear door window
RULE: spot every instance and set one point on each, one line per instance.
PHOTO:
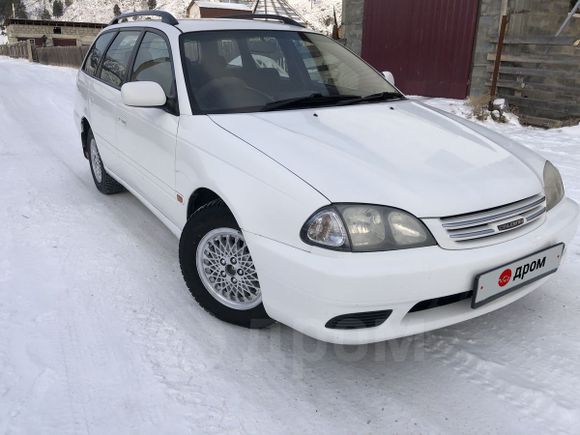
(116, 61)
(96, 53)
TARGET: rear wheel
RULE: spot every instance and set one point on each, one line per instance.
(218, 268)
(104, 182)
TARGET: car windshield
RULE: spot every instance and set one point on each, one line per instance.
(252, 70)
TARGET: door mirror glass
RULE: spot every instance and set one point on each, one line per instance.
(143, 94)
(390, 77)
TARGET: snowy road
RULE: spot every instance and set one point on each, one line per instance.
(98, 333)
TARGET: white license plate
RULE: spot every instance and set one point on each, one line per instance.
(509, 277)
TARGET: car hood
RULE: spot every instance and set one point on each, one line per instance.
(401, 154)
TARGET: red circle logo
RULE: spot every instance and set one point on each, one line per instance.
(505, 277)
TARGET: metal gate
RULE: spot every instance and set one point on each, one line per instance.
(427, 45)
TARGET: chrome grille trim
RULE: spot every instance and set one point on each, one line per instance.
(487, 223)
(496, 217)
(471, 234)
(536, 214)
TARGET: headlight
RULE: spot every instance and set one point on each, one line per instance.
(553, 186)
(325, 228)
(365, 228)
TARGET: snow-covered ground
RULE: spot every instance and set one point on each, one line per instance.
(98, 333)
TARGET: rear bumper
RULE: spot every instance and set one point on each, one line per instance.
(305, 290)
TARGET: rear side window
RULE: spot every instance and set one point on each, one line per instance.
(96, 53)
(153, 63)
(116, 62)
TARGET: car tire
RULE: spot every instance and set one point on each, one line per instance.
(104, 182)
(222, 280)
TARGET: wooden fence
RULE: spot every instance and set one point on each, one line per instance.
(540, 76)
(18, 50)
(60, 56)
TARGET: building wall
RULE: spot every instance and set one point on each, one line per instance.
(540, 17)
(487, 31)
(83, 35)
(352, 23)
(527, 18)
(197, 12)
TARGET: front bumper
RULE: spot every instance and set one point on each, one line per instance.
(306, 289)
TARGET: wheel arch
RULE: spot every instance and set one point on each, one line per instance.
(202, 196)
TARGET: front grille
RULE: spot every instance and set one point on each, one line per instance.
(496, 221)
(369, 319)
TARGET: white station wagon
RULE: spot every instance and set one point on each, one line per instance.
(303, 185)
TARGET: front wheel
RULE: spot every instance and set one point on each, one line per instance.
(218, 268)
(104, 182)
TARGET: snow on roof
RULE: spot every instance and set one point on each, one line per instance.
(52, 23)
(220, 5)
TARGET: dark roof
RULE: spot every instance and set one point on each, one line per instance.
(9, 21)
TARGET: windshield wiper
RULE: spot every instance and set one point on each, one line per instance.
(381, 96)
(316, 99)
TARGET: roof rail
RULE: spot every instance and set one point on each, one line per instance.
(285, 20)
(166, 17)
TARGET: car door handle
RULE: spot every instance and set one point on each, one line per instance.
(122, 121)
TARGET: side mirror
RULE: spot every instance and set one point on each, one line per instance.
(143, 94)
(390, 77)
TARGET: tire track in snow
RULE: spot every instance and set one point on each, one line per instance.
(532, 397)
(167, 353)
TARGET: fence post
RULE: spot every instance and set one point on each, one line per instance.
(29, 50)
(498, 53)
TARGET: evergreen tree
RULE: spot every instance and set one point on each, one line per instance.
(20, 9)
(116, 10)
(45, 15)
(6, 9)
(151, 4)
(57, 8)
